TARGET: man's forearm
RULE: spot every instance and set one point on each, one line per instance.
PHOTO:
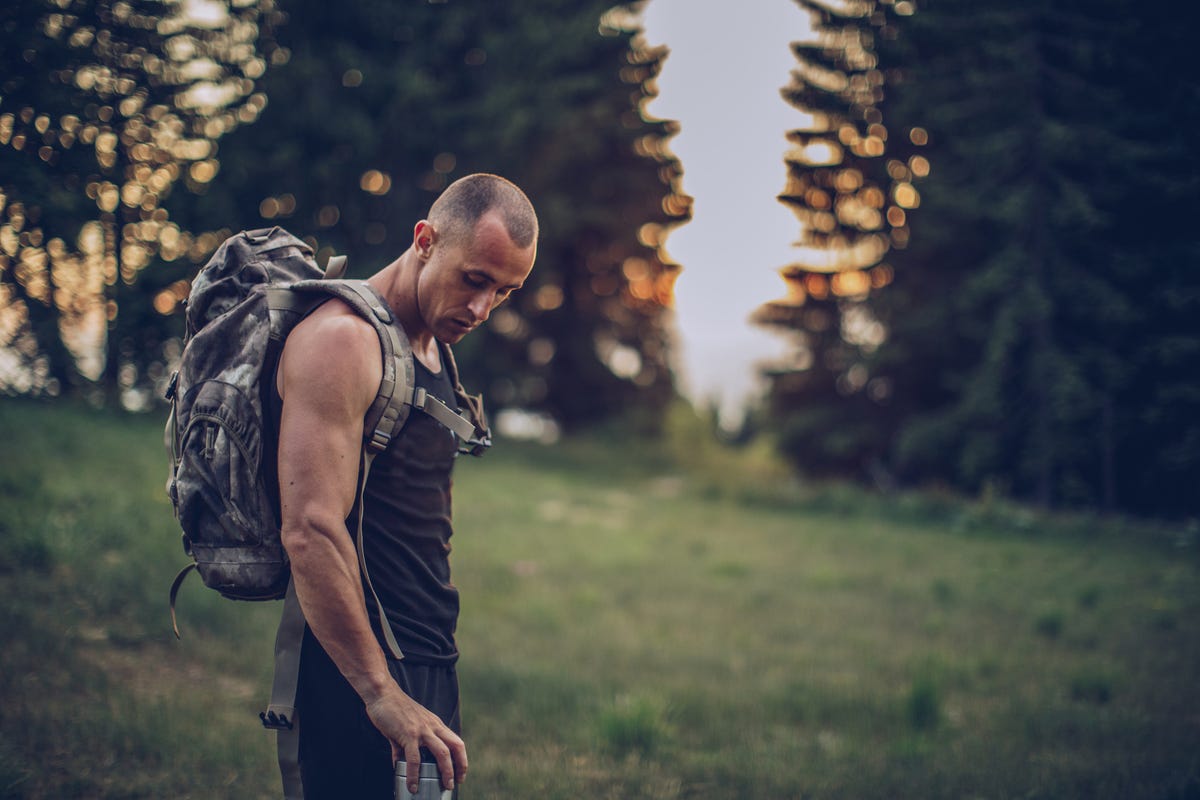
(330, 592)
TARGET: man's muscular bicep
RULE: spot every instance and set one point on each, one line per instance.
(328, 375)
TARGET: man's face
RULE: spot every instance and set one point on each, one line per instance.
(462, 282)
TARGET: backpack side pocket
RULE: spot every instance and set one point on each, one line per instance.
(221, 499)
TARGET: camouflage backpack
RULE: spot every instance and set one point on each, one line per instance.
(242, 306)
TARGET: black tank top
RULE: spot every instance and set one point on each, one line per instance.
(407, 530)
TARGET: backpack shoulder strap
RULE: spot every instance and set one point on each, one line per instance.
(390, 408)
(480, 438)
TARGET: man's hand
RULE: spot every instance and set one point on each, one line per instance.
(409, 727)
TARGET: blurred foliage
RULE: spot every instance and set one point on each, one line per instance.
(1040, 336)
(104, 108)
(365, 112)
(382, 105)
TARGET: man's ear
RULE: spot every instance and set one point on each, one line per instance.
(425, 236)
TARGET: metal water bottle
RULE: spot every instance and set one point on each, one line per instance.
(428, 788)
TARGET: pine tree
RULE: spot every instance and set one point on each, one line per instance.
(1037, 335)
(850, 185)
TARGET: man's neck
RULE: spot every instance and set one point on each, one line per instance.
(397, 282)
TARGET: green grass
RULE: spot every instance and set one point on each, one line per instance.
(631, 628)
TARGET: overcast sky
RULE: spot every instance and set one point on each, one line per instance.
(721, 82)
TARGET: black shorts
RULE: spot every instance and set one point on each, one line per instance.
(342, 755)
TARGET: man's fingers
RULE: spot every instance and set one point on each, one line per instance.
(445, 762)
(447, 748)
(458, 749)
(412, 760)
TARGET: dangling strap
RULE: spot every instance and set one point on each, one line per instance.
(389, 638)
(281, 715)
(183, 573)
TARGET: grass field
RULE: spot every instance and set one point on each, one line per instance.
(632, 628)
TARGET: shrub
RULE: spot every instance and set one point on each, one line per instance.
(633, 726)
(1049, 624)
(924, 704)
(1092, 686)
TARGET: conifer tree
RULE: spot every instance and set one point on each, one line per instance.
(850, 184)
(1037, 336)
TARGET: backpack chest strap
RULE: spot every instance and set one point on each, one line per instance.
(463, 428)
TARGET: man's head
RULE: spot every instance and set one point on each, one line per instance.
(477, 247)
(455, 213)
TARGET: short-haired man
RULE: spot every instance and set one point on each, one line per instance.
(360, 710)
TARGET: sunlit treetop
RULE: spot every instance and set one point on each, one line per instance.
(851, 198)
(649, 277)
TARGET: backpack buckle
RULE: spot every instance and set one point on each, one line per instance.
(275, 721)
(476, 445)
(379, 440)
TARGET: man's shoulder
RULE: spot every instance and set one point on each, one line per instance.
(337, 325)
(333, 346)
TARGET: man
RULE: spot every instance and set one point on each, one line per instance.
(360, 710)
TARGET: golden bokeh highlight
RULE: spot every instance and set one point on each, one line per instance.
(626, 279)
(328, 216)
(548, 297)
(375, 182)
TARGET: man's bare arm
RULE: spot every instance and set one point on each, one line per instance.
(329, 374)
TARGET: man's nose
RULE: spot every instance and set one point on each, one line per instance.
(481, 305)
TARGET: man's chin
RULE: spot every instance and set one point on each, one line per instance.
(453, 334)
